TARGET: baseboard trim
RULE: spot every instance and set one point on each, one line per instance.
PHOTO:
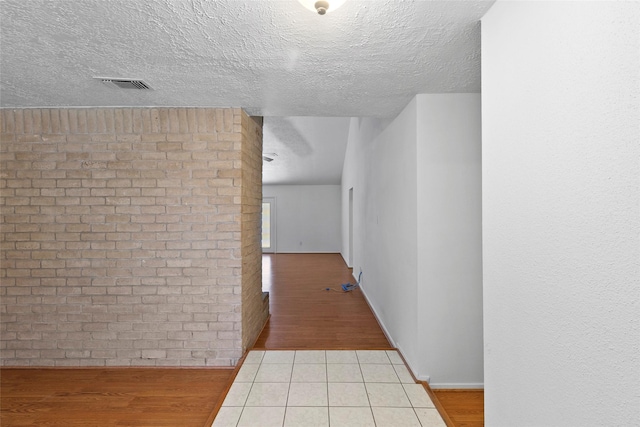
(302, 252)
(375, 314)
(422, 378)
(457, 386)
(391, 341)
(255, 340)
(345, 261)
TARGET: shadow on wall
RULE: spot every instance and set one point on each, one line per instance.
(286, 133)
(371, 127)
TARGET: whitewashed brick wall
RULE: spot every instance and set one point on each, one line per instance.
(121, 235)
(255, 308)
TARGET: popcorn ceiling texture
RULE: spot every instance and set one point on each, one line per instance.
(124, 233)
(276, 58)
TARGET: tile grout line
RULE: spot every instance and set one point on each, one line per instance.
(286, 405)
(361, 360)
(366, 391)
(326, 377)
(253, 381)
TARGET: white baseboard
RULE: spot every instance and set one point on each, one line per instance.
(457, 385)
(408, 363)
(425, 378)
(305, 252)
(346, 262)
(375, 314)
(388, 335)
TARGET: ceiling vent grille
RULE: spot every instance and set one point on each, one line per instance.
(124, 83)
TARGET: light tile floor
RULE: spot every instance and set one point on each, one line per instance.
(332, 388)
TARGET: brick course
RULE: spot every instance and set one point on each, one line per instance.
(129, 236)
(255, 306)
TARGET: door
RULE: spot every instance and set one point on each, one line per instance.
(269, 224)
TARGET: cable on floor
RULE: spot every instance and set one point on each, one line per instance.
(347, 287)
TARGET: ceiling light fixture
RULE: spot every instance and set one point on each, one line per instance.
(322, 6)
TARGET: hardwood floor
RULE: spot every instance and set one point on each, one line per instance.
(304, 315)
(143, 397)
(464, 407)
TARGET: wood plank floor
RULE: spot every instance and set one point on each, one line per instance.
(306, 316)
(465, 408)
(303, 316)
(143, 397)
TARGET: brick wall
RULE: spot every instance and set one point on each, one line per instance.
(122, 235)
(255, 307)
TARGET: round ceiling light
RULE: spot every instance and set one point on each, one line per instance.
(322, 6)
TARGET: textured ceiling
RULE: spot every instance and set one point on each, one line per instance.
(270, 57)
(273, 58)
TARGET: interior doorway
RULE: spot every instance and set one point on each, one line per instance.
(269, 225)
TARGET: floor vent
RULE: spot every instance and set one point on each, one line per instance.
(124, 83)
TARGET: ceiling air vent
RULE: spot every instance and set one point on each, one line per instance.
(124, 83)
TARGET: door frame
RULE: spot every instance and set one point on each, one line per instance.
(272, 223)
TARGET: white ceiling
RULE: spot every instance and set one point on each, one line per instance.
(270, 57)
(310, 150)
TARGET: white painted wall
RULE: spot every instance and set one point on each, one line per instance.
(390, 219)
(380, 165)
(308, 217)
(561, 213)
(450, 240)
(427, 295)
(362, 131)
